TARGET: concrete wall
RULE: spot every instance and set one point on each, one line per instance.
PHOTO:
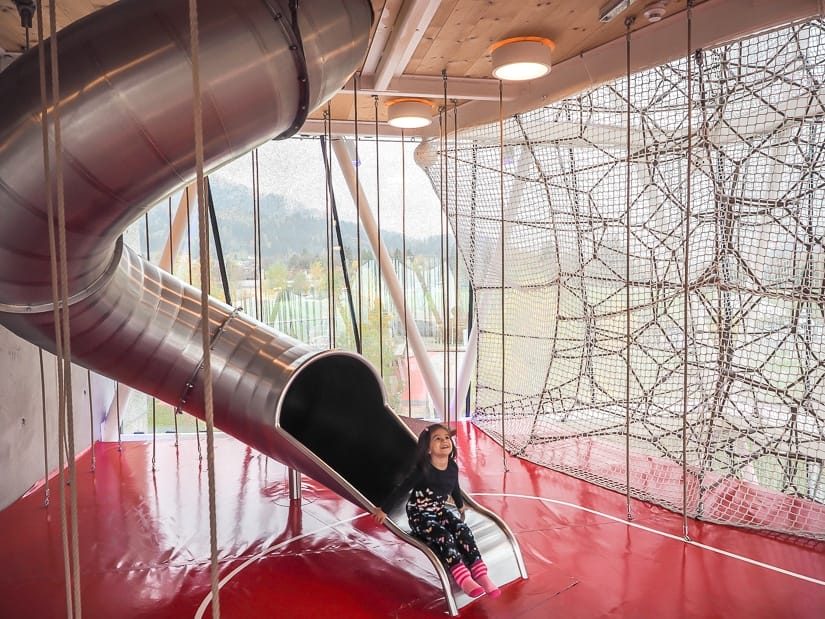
(22, 445)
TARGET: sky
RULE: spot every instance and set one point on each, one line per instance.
(294, 168)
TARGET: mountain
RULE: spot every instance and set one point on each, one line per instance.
(286, 229)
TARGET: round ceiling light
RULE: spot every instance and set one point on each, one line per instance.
(522, 58)
(655, 11)
(409, 113)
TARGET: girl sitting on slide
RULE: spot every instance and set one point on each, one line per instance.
(433, 480)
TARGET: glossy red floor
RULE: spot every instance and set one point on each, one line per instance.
(144, 548)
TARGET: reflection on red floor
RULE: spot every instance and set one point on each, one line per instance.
(144, 548)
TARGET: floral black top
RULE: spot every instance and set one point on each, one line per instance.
(434, 484)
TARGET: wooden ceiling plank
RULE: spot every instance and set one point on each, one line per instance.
(439, 20)
(455, 44)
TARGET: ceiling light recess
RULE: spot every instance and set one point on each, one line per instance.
(522, 58)
(613, 8)
(409, 113)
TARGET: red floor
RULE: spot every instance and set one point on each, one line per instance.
(144, 548)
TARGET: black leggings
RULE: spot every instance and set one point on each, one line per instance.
(444, 532)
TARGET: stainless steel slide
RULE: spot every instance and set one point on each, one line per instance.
(127, 137)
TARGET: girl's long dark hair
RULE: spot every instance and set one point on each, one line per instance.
(422, 455)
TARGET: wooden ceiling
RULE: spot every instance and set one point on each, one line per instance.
(459, 35)
(416, 43)
(457, 38)
(462, 31)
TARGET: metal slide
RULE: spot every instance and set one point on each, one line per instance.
(127, 138)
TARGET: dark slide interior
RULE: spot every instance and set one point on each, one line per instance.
(335, 408)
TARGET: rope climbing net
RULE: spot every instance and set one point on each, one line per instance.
(663, 322)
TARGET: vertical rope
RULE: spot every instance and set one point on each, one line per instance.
(445, 249)
(404, 269)
(628, 23)
(472, 249)
(259, 249)
(378, 259)
(328, 231)
(501, 232)
(47, 172)
(45, 431)
(258, 293)
(61, 484)
(685, 319)
(358, 341)
(188, 235)
(255, 214)
(171, 238)
(203, 233)
(189, 262)
(91, 419)
(154, 400)
(172, 272)
(455, 272)
(333, 223)
(440, 313)
(117, 416)
(60, 281)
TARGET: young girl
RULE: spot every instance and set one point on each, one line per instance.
(433, 480)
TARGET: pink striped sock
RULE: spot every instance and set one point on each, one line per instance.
(478, 570)
(465, 581)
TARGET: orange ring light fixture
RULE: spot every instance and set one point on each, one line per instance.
(409, 113)
(522, 58)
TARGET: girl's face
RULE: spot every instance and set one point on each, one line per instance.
(440, 442)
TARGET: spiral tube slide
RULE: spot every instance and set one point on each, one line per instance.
(127, 132)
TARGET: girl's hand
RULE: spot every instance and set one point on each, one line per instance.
(379, 516)
(461, 511)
